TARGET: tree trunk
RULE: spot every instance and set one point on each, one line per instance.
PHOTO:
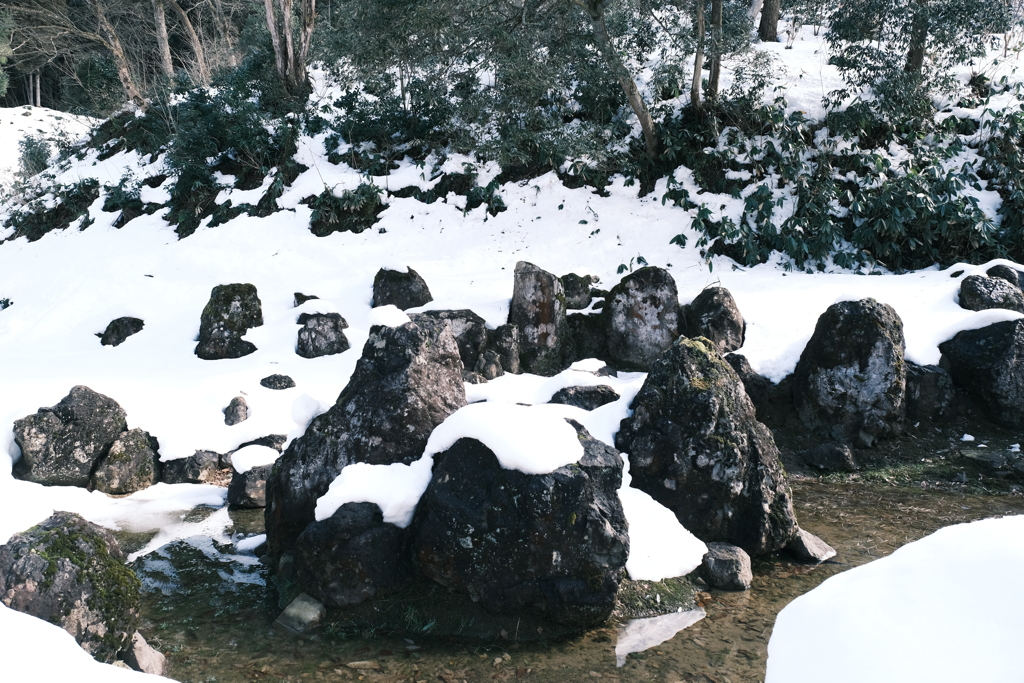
(113, 43)
(918, 39)
(163, 46)
(275, 40)
(768, 31)
(291, 63)
(636, 101)
(197, 44)
(226, 31)
(716, 49)
(698, 60)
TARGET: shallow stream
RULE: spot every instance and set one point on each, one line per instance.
(214, 629)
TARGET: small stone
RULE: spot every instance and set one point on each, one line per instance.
(367, 665)
(120, 329)
(728, 567)
(832, 457)
(141, 656)
(714, 315)
(277, 382)
(236, 412)
(301, 298)
(987, 457)
(322, 334)
(809, 548)
(302, 614)
(587, 398)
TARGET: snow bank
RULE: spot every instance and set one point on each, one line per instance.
(914, 616)
(244, 459)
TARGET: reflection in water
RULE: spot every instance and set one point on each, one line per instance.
(643, 634)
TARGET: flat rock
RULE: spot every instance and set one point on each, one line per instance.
(809, 548)
(302, 614)
(277, 382)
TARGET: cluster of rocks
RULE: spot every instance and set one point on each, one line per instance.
(71, 572)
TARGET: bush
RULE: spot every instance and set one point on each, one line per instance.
(33, 156)
(354, 211)
(56, 210)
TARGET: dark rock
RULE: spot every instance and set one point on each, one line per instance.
(473, 378)
(230, 313)
(60, 445)
(352, 555)
(236, 412)
(249, 489)
(322, 334)
(71, 572)
(696, 447)
(758, 388)
(587, 398)
(989, 364)
(641, 318)
(277, 382)
(488, 365)
(538, 308)
(202, 467)
(301, 298)
(504, 341)
(130, 465)
(978, 293)
(469, 330)
(404, 290)
(930, 394)
(141, 656)
(553, 544)
(1014, 277)
(589, 336)
(408, 380)
(715, 316)
(832, 457)
(809, 548)
(727, 567)
(577, 290)
(850, 382)
(120, 329)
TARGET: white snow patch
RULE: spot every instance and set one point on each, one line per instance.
(389, 316)
(244, 459)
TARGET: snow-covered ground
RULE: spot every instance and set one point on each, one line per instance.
(16, 123)
(67, 286)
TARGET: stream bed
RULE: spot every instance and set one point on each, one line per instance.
(213, 616)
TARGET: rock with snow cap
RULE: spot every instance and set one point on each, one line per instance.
(1012, 275)
(979, 293)
(321, 334)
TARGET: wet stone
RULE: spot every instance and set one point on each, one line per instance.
(727, 567)
(302, 614)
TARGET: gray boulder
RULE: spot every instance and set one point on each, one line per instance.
(727, 567)
(322, 334)
(404, 290)
(538, 309)
(577, 289)
(352, 556)
(202, 467)
(504, 341)
(587, 398)
(930, 394)
(850, 382)
(1011, 275)
(696, 447)
(408, 380)
(249, 489)
(552, 544)
(809, 548)
(469, 330)
(60, 445)
(989, 364)
(641, 318)
(832, 457)
(131, 464)
(71, 573)
(979, 293)
(141, 656)
(120, 329)
(236, 412)
(715, 316)
(231, 311)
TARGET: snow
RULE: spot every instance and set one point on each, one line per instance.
(388, 316)
(244, 459)
(396, 488)
(967, 437)
(905, 618)
(32, 649)
(16, 123)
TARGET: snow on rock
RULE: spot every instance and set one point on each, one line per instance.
(244, 459)
(906, 618)
(396, 488)
(389, 316)
(659, 546)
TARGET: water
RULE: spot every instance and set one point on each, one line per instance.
(214, 629)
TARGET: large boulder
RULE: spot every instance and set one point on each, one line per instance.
(850, 382)
(120, 329)
(538, 309)
(202, 467)
(641, 318)
(1013, 276)
(553, 544)
(469, 329)
(930, 394)
(404, 290)
(130, 465)
(408, 380)
(979, 293)
(715, 316)
(60, 445)
(231, 311)
(696, 447)
(322, 334)
(71, 572)
(352, 555)
(989, 364)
